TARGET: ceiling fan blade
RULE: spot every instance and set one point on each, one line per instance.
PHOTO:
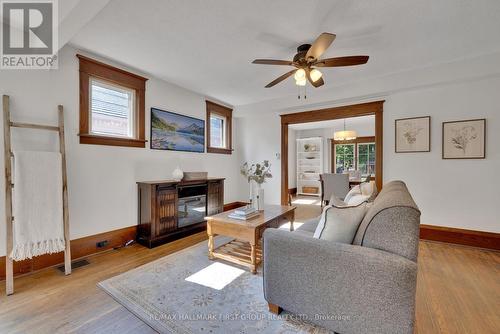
(272, 62)
(279, 79)
(342, 61)
(319, 46)
(318, 83)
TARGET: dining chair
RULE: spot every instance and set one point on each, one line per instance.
(333, 184)
(355, 174)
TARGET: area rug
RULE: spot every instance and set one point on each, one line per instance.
(217, 297)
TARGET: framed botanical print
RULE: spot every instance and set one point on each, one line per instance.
(464, 139)
(413, 134)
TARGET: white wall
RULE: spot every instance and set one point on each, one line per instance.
(101, 179)
(457, 193)
(454, 193)
(260, 140)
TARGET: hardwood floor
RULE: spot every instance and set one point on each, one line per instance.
(458, 292)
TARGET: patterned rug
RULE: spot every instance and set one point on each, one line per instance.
(187, 293)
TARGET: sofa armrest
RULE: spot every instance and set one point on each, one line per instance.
(346, 288)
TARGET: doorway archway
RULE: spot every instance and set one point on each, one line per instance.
(363, 109)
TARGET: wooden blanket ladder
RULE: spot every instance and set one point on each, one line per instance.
(7, 125)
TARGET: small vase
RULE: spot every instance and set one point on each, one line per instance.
(177, 174)
(260, 198)
(250, 197)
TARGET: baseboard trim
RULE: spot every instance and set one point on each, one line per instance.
(292, 191)
(459, 236)
(83, 247)
(79, 248)
(117, 238)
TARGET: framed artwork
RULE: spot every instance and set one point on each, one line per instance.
(413, 134)
(464, 139)
(175, 132)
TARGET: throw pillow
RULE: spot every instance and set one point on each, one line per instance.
(335, 201)
(369, 189)
(339, 224)
(357, 199)
(356, 190)
(322, 218)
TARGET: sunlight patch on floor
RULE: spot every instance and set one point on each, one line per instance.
(303, 201)
(287, 226)
(306, 201)
(215, 276)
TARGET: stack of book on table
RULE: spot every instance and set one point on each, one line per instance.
(244, 213)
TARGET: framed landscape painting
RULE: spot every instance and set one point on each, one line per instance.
(413, 134)
(464, 139)
(175, 132)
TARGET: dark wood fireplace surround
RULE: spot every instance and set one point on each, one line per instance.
(158, 215)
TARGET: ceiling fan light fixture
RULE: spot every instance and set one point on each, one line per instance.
(308, 59)
(300, 74)
(301, 82)
(315, 75)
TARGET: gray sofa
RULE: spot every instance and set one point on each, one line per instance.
(366, 287)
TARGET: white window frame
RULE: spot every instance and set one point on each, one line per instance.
(223, 130)
(353, 152)
(132, 128)
(368, 155)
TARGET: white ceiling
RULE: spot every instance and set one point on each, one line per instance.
(207, 45)
(352, 123)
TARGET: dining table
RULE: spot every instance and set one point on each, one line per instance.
(354, 182)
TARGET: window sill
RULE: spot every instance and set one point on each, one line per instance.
(219, 150)
(111, 141)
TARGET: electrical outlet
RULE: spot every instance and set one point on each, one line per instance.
(102, 243)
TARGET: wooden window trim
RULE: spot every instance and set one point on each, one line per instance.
(90, 68)
(217, 109)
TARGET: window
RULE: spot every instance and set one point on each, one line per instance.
(217, 124)
(218, 128)
(366, 158)
(358, 154)
(111, 105)
(112, 110)
(344, 158)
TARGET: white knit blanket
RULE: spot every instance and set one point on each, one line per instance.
(37, 204)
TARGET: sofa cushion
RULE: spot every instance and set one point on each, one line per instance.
(339, 224)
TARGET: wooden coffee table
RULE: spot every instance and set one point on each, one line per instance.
(246, 248)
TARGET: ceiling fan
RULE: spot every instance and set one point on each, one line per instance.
(308, 59)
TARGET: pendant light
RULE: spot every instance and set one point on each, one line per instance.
(345, 134)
